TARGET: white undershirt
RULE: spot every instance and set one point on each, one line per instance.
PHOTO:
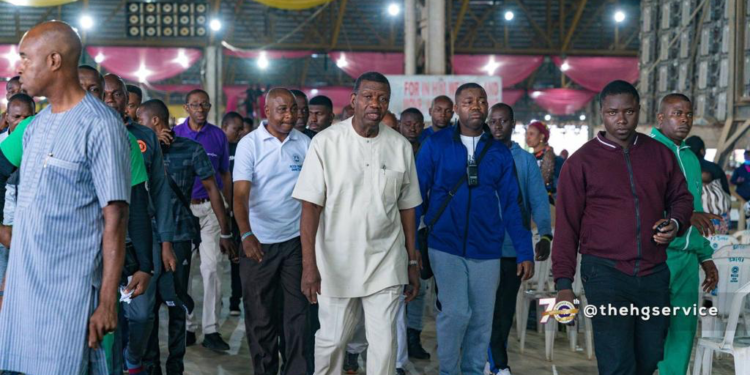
(471, 144)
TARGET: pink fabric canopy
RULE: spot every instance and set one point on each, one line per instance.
(356, 63)
(145, 64)
(593, 73)
(235, 95)
(511, 96)
(512, 69)
(562, 101)
(271, 54)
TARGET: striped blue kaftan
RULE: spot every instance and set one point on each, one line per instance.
(74, 164)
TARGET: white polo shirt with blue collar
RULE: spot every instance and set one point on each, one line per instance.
(272, 168)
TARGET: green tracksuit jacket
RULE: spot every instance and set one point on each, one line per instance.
(684, 256)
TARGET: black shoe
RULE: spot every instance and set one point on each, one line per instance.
(400, 371)
(190, 339)
(414, 346)
(351, 363)
(214, 342)
(234, 311)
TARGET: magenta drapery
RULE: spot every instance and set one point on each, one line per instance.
(356, 63)
(593, 73)
(271, 54)
(234, 96)
(562, 101)
(145, 64)
(511, 68)
(8, 60)
(511, 96)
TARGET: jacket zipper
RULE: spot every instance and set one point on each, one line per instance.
(682, 167)
(468, 208)
(637, 211)
(466, 231)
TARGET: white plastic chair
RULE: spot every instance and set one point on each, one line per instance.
(734, 272)
(532, 290)
(743, 236)
(550, 329)
(738, 347)
(720, 240)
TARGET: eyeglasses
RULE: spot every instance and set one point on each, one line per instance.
(196, 106)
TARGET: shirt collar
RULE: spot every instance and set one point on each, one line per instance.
(659, 136)
(266, 135)
(612, 146)
(187, 126)
(457, 132)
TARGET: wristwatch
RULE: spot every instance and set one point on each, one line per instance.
(413, 263)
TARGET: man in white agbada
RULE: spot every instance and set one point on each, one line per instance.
(359, 188)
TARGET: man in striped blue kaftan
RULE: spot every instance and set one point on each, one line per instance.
(68, 240)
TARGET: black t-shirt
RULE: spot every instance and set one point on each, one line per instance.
(232, 151)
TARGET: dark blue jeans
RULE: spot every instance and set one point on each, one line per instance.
(626, 345)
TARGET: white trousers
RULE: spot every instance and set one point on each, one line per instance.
(339, 318)
(210, 265)
(358, 343)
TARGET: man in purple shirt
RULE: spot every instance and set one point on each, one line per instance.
(214, 141)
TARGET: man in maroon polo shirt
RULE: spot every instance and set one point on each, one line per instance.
(622, 198)
(214, 141)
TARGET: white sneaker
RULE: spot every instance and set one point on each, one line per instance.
(487, 370)
(504, 372)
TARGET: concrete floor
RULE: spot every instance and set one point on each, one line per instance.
(201, 361)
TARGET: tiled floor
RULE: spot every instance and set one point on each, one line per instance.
(201, 361)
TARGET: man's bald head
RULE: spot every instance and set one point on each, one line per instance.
(281, 111)
(669, 99)
(115, 94)
(49, 58)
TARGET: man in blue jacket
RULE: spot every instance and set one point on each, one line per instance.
(466, 241)
(535, 202)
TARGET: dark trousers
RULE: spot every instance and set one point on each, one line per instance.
(236, 298)
(505, 308)
(626, 345)
(281, 268)
(313, 325)
(177, 317)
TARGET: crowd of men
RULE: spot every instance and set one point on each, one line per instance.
(333, 230)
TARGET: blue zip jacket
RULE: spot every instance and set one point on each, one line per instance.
(535, 199)
(471, 226)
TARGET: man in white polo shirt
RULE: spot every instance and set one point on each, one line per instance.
(267, 164)
(358, 189)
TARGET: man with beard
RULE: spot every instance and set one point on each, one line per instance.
(82, 148)
(321, 115)
(691, 250)
(135, 97)
(467, 175)
(358, 189)
(613, 194)
(441, 113)
(267, 165)
(303, 110)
